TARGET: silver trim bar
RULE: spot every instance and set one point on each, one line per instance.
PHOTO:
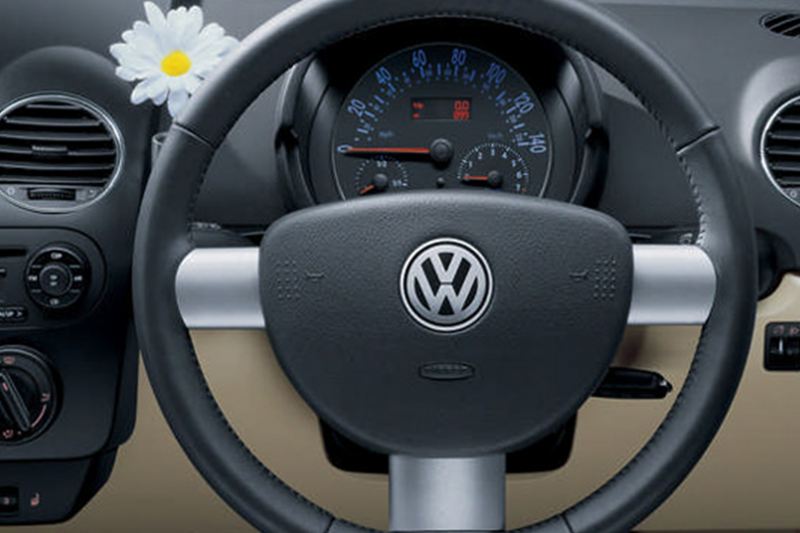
(218, 288)
(672, 285)
(445, 494)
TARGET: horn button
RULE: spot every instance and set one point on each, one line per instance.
(446, 323)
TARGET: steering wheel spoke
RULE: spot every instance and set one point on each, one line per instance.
(218, 288)
(447, 494)
(672, 285)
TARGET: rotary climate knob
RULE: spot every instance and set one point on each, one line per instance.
(27, 394)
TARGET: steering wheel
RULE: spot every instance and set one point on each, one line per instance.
(442, 380)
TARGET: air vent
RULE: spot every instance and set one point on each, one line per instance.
(786, 24)
(780, 149)
(57, 152)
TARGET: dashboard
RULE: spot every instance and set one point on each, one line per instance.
(462, 105)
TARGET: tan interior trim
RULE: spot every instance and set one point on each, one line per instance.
(750, 478)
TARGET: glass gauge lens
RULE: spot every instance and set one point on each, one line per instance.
(441, 116)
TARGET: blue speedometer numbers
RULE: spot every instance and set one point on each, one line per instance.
(414, 102)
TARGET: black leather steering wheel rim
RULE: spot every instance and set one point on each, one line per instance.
(164, 238)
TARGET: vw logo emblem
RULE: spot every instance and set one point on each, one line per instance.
(446, 285)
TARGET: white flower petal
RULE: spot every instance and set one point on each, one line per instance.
(116, 50)
(127, 74)
(211, 32)
(176, 20)
(177, 102)
(139, 94)
(156, 17)
(187, 26)
(195, 21)
(153, 88)
(177, 83)
(129, 57)
(158, 86)
(128, 35)
(146, 42)
(192, 83)
(214, 49)
(161, 97)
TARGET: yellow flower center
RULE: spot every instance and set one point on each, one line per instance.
(176, 64)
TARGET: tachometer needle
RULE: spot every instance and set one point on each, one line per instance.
(493, 180)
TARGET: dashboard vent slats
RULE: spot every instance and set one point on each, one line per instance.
(57, 141)
(780, 149)
(786, 24)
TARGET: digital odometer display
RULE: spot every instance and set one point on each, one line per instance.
(441, 108)
(441, 116)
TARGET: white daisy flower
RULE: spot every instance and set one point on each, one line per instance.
(170, 55)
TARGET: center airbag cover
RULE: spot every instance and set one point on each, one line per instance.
(360, 299)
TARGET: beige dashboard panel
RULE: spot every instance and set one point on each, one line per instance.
(749, 479)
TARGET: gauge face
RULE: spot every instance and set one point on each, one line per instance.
(444, 116)
(495, 166)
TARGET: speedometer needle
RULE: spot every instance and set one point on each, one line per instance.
(440, 151)
(476, 179)
(387, 150)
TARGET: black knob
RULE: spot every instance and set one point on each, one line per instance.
(27, 394)
(55, 279)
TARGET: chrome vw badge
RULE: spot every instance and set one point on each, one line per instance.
(446, 285)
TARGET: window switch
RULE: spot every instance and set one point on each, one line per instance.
(9, 500)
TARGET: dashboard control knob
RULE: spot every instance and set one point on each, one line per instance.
(57, 276)
(55, 279)
(27, 394)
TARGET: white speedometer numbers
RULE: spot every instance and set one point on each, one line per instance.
(441, 116)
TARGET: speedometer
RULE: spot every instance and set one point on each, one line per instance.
(445, 116)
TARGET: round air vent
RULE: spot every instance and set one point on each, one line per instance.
(57, 152)
(780, 149)
(786, 24)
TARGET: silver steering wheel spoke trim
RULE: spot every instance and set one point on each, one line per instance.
(218, 288)
(447, 494)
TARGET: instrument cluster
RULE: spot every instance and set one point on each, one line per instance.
(442, 105)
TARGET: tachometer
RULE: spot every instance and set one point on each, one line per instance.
(495, 166)
(441, 116)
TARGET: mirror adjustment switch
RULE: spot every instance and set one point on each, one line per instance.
(9, 500)
(782, 346)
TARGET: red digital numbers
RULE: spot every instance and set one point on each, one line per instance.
(462, 110)
(417, 107)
